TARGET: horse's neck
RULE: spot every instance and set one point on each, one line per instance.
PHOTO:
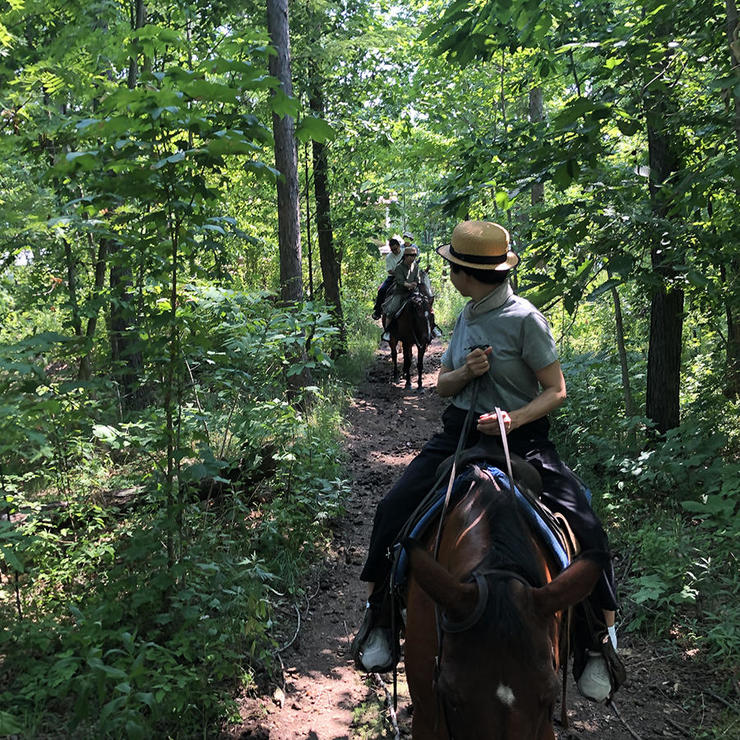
(466, 535)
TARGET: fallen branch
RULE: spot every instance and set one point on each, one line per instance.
(624, 721)
(297, 630)
(389, 703)
(681, 728)
(720, 699)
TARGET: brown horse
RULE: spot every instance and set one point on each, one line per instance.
(491, 597)
(413, 326)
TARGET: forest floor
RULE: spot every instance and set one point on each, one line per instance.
(668, 693)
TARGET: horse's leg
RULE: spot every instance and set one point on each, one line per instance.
(420, 350)
(407, 357)
(420, 648)
(546, 733)
(394, 356)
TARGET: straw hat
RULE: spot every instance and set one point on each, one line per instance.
(411, 249)
(482, 245)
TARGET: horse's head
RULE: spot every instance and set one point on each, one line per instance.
(420, 302)
(498, 620)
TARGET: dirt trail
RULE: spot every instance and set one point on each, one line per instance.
(325, 698)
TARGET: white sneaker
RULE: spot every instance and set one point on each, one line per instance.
(594, 682)
(376, 653)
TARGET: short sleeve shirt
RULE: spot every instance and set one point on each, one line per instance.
(392, 260)
(522, 344)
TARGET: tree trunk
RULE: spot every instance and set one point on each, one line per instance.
(72, 287)
(309, 245)
(138, 19)
(629, 407)
(124, 339)
(286, 158)
(100, 270)
(733, 269)
(286, 162)
(537, 115)
(330, 269)
(666, 310)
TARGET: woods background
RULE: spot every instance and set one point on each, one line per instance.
(192, 197)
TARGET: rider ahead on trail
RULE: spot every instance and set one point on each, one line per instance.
(405, 280)
(392, 259)
(505, 341)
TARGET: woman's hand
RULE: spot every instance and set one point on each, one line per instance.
(476, 363)
(450, 382)
(488, 423)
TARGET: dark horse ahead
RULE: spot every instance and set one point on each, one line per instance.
(491, 597)
(412, 326)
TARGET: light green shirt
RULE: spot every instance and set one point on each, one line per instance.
(522, 344)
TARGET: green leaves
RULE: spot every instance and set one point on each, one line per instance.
(581, 108)
(282, 104)
(86, 160)
(204, 90)
(152, 38)
(231, 142)
(316, 129)
(9, 725)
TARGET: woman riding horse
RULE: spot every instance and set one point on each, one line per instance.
(405, 280)
(503, 341)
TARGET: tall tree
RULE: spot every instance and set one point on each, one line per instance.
(286, 155)
(733, 278)
(537, 115)
(330, 268)
(330, 265)
(125, 342)
(666, 307)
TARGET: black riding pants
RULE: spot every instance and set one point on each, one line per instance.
(382, 293)
(562, 492)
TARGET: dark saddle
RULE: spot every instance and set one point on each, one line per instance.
(489, 451)
(487, 458)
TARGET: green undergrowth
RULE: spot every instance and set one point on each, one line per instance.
(370, 718)
(669, 504)
(137, 608)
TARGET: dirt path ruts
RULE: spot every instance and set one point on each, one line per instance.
(325, 698)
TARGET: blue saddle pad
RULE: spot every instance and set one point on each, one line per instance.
(530, 514)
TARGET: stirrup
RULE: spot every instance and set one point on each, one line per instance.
(376, 655)
(595, 683)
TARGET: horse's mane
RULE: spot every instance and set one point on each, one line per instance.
(511, 549)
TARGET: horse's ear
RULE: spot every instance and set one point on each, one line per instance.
(457, 599)
(574, 584)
